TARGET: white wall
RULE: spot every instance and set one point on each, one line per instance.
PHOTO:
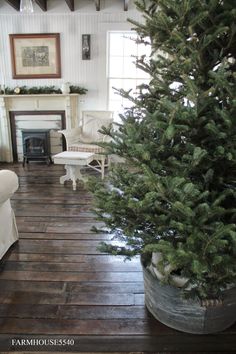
(90, 74)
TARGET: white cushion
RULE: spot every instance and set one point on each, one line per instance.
(86, 148)
(90, 128)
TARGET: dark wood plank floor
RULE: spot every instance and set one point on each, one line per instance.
(54, 283)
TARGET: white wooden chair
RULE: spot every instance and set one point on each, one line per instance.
(85, 137)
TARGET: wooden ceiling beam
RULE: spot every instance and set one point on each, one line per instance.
(71, 4)
(97, 4)
(15, 4)
(126, 5)
(42, 4)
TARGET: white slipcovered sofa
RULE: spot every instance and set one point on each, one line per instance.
(8, 230)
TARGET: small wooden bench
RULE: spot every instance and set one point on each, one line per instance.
(73, 161)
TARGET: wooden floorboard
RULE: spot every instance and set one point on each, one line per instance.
(55, 284)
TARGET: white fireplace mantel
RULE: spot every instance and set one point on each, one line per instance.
(41, 102)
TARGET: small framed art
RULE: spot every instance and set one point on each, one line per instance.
(35, 55)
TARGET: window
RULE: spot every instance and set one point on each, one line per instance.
(122, 71)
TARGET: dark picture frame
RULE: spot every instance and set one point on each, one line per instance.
(35, 55)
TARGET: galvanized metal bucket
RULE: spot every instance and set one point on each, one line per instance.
(168, 306)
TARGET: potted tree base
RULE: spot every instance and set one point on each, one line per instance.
(166, 304)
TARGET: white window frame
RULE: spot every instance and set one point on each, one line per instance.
(109, 78)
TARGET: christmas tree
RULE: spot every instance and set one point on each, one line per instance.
(175, 192)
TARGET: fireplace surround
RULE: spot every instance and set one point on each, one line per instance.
(34, 120)
(30, 106)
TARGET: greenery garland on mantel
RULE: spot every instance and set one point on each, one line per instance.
(24, 90)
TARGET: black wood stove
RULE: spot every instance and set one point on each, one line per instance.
(36, 145)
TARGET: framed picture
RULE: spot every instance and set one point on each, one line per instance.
(35, 55)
